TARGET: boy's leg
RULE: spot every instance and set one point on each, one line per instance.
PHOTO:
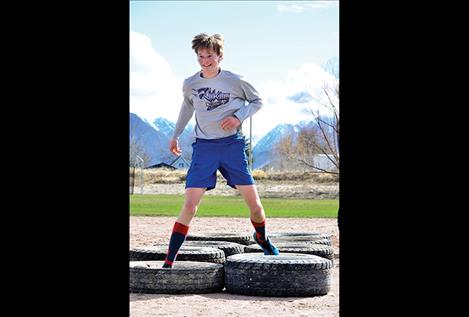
(251, 197)
(191, 204)
(181, 226)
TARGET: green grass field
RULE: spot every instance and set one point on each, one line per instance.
(219, 206)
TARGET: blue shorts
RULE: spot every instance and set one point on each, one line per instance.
(226, 155)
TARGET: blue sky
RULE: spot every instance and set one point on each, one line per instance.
(278, 46)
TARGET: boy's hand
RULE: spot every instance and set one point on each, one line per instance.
(174, 147)
(230, 123)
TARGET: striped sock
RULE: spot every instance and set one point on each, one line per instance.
(260, 230)
(177, 238)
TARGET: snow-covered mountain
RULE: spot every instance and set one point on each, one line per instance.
(264, 153)
(164, 126)
(273, 137)
(154, 138)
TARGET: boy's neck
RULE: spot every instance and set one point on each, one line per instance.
(210, 75)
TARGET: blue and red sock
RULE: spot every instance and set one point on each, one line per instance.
(178, 236)
(260, 230)
(262, 240)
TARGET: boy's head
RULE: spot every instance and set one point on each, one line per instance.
(210, 42)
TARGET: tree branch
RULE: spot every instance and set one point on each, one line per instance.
(315, 167)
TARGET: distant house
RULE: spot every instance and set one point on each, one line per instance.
(180, 163)
(161, 165)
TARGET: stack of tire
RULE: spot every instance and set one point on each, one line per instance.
(299, 242)
(211, 262)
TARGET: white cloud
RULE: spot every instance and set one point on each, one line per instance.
(154, 89)
(279, 107)
(321, 4)
(301, 6)
(290, 8)
(156, 92)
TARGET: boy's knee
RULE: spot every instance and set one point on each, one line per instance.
(257, 209)
(191, 208)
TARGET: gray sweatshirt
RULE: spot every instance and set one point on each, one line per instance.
(214, 99)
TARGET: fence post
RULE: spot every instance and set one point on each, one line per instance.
(133, 180)
(141, 162)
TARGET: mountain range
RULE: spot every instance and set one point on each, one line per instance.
(154, 137)
(264, 153)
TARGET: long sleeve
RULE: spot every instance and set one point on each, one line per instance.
(185, 114)
(253, 99)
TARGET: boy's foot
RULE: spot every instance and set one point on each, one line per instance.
(166, 266)
(267, 246)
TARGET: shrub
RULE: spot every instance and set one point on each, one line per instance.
(259, 174)
(169, 176)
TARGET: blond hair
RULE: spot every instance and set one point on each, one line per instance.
(213, 42)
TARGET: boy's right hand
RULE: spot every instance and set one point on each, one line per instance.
(174, 147)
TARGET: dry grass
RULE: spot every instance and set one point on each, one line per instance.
(168, 176)
(316, 177)
(164, 176)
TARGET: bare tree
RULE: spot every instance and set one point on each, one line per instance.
(320, 138)
(286, 146)
(286, 151)
(137, 150)
(302, 149)
(327, 142)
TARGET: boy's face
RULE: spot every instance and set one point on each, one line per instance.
(208, 60)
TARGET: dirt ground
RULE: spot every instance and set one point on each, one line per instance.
(149, 230)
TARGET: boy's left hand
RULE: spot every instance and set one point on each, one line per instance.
(230, 123)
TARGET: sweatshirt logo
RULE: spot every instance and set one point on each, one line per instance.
(213, 98)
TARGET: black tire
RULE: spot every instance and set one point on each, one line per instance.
(229, 248)
(314, 235)
(186, 253)
(186, 277)
(284, 275)
(324, 251)
(308, 239)
(244, 239)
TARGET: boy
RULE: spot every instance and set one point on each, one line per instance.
(218, 99)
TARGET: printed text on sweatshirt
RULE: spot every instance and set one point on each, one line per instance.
(214, 99)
